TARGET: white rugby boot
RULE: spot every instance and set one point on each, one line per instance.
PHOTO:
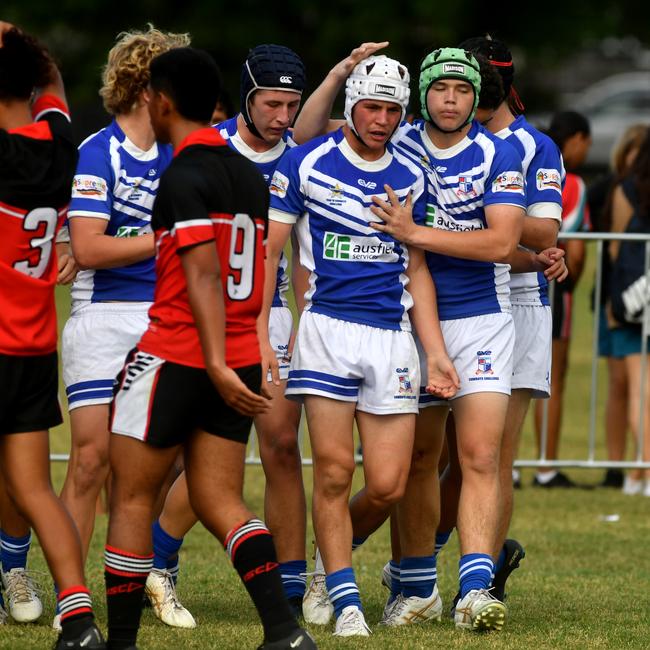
(316, 606)
(21, 595)
(161, 591)
(480, 611)
(351, 622)
(413, 609)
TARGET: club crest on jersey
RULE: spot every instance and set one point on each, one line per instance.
(465, 188)
(484, 359)
(548, 179)
(353, 248)
(279, 185)
(89, 187)
(510, 181)
(404, 385)
(336, 196)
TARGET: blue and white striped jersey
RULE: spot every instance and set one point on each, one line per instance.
(543, 176)
(117, 181)
(266, 162)
(464, 179)
(357, 274)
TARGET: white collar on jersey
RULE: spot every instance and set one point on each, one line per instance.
(444, 153)
(137, 153)
(258, 156)
(362, 163)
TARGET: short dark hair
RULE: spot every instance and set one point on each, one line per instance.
(191, 79)
(497, 53)
(24, 65)
(566, 124)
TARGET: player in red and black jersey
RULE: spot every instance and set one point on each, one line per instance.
(37, 162)
(194, 379)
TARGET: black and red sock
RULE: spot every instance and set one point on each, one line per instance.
(126, 574)
(251, 550)
(76, 611)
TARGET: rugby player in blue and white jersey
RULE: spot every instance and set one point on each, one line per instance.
(110, 230)
(272, 81)
(354, 355)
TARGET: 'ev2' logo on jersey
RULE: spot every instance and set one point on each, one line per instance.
(370, 185)
(351, 248)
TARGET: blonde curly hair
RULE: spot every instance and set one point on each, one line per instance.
(126, 74)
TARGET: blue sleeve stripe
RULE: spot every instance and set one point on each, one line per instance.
(87, 385)
(133, 206)
(324, 376)
(325, 388)
(90, 394)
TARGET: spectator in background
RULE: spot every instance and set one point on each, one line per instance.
(631, 213)
(571, 132)
(599, 199)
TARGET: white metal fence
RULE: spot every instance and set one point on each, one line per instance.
(590, 461)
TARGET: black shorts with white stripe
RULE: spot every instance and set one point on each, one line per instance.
(162, 403)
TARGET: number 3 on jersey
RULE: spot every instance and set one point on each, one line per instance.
(242, 258)
(41, 247)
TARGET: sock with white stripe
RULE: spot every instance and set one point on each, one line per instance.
(475, 572)
(441, 540)
(358, 541)
(76, 611)
(395, 582)
(293, 578)
(165, 547)
(251, 550)
(126, 575)
(418, 576)
(173, 568)
(13, 551)
(342, 589)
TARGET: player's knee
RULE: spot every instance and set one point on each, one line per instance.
(424, 460)
(481, 461)
(386, 492)
(90, 469)
(281, 451)
(334, 479)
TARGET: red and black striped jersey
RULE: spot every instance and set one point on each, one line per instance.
(208, 193)
(37, 164)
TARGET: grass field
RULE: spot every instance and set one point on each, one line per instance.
(583, 584)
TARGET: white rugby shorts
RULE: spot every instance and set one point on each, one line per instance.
(94, 345)
(532, 358)
(280, 330)
(376, 368)
(481, 349)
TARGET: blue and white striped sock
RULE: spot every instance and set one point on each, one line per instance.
(474, 572)
(357, 541)
(395, 581)
(418, 576)
(293, 578)
(342, 589)
(13, 551)
(441, 540)
(165, 547)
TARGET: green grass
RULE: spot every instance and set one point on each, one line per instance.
(582, 585)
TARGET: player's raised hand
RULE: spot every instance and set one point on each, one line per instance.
(442, 378)
(555, 266)
(397, 218)
(236, 394)
(343, 68)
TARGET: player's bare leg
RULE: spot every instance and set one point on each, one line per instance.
(87, 469)
(330, 430)
(177, 516)
(284, 495)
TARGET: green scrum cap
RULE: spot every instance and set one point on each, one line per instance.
(449, 63)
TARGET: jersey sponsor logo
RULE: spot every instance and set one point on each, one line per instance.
(465, 188)
(89, 187)
(436, 218)
(279, 185)
(453, 67)
(383, 89)
(548, 179)
(285, 79)
(352, 248)
(152, 172)
(441, 169)
(129, 231)
(510, 181)
(371, 185)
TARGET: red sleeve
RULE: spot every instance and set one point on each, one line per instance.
(46, 103)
